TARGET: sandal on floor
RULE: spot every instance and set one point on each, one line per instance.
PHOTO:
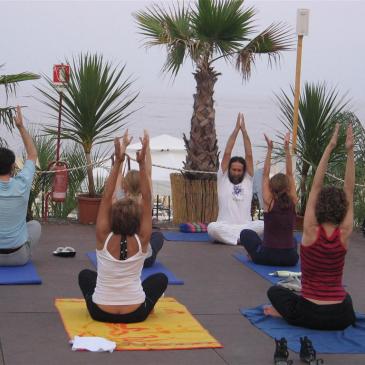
(64, 252)
(308, 353)
(281, 352)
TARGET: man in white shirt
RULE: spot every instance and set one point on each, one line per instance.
(234, 184)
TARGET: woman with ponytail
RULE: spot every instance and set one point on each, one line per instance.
(278, 246)
(115, 293)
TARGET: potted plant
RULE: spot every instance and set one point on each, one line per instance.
(94, 106)
(204, 32)
(320, 108)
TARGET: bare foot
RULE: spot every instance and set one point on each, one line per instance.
(269, 310)
(249, 257)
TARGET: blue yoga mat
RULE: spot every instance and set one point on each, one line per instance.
(199, 236)
(264, 270)
(18, 275)
(349, 341)
(298, 237)
(148, 271)
(186, 237)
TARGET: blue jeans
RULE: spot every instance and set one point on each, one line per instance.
(265, 255)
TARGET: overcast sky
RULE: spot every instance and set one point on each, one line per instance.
(35, 35)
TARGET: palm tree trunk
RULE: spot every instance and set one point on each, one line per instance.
(90, 176)
(194, 196)
(202, 147)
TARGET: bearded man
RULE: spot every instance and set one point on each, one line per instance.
(234, 183)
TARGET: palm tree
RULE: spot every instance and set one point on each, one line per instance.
(10, 83)
(338, 170)
(41, 183)
(206, 32)
(320, 107)
(94, 105)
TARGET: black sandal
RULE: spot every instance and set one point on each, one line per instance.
(308, 353)
(281, 352)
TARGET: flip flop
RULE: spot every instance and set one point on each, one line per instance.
(64, 251)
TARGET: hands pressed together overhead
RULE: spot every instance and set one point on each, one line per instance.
(240, 123)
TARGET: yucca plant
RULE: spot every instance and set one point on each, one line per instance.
(42, 182)
(46, 149)
(320, 108)
(10, 83)
(338, 170)
(95, 104)
(204, 32)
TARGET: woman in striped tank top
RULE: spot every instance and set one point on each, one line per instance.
(328, 223)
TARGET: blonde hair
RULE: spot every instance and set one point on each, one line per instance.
(131, 183)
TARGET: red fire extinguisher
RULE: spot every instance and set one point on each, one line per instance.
(60, 181)
(59, 185)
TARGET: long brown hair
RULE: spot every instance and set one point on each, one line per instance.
(279, 186)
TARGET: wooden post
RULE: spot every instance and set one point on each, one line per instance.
(297, 92)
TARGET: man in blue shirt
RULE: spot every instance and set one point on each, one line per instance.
(17, 237)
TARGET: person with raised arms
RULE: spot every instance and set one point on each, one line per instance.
(328, 222)
(17, 237)
(115, 292)
(278, 247)
(234, 185)
(129, 185)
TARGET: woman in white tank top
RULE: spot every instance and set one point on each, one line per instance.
(115, 292)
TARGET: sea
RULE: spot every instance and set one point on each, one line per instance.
(172, 115)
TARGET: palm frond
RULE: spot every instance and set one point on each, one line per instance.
(274, 40)
(11, 81)
(151, 23)
(7, 117)
(171, 28)
(223, 25)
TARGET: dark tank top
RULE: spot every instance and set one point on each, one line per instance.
(279, 226)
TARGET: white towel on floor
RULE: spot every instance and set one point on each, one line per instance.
(95, 344)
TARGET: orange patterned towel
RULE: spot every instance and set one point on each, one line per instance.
(169, 327)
